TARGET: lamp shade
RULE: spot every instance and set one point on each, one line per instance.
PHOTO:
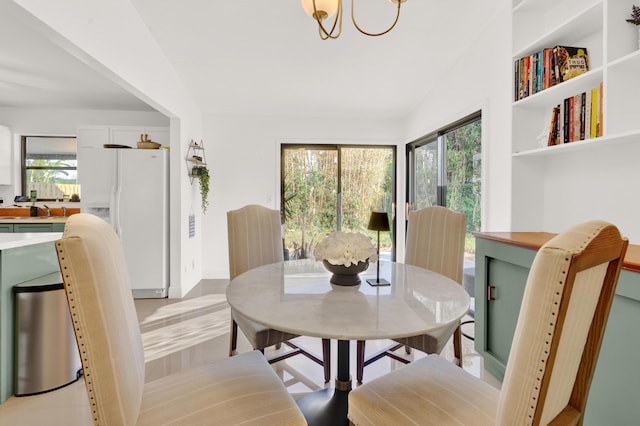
(379, 221)
(327, 6)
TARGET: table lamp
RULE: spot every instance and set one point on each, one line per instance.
(378, 221)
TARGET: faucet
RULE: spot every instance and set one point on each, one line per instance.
(47, 210)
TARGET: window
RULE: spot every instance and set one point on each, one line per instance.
(326, 188)
(49, 167)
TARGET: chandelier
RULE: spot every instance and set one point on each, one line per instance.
(322, 10)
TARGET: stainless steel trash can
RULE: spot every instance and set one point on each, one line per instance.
(46, 356)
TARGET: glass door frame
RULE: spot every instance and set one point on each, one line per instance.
(439, 138)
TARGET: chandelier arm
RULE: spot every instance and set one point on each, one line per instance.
(322, 31)
(355, 24)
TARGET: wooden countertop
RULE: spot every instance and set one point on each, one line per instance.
(535, 240)
(28, 219)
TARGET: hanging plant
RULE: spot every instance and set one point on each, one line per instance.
(203, 172)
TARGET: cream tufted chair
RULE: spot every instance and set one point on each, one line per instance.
(255, 239)
(240, 390)
(435, 241)
(553, 356)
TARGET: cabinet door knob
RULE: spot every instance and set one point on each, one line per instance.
(490, 293)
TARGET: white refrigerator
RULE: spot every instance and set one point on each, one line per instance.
(130, 189)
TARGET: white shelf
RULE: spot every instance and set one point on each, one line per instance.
(630, 62)
(567, 33)
(554, 95)
(608, 141)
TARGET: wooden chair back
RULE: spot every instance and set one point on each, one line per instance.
(104, 318)
(561, 323)
(255, 238)
(435, 241)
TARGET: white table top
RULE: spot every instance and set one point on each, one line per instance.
(296, 297)
(9, 240)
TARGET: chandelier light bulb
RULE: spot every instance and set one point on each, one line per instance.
(324, 8)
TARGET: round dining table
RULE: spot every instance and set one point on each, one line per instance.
(296, 297)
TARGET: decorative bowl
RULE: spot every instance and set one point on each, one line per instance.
(148, 145)
(345, 275)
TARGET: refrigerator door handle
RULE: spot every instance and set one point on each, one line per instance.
(112, 207)
(117, 212)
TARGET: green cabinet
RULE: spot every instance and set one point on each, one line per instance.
(501, 273)
(18, 263)
(32, 227)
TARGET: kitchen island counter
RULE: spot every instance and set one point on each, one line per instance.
(10, 241)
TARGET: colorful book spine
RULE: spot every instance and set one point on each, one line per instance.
(595, 116)
(566, 121)
(601, 108)
(577, 117)
(551, 140)
(540, 67)
(587, 114)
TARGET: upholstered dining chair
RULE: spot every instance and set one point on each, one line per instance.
(239, 390)
(255, 239)
(553, 356)
(435, 241)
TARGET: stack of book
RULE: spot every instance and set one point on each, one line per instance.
(548, 67)
(577, 118)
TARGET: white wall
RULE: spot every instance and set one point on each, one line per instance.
(243, 151)
(481, 79)
(111, 37)
(243, 158)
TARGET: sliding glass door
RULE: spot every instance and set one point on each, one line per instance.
(325, 188)
(444, 169)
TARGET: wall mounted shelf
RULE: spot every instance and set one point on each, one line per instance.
(195, 159)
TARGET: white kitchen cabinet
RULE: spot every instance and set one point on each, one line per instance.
(98, 136)
(6, 158)
(97, 180)
(130, 136)
(92, 136)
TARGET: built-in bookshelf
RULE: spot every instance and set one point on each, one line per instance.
(555, 186)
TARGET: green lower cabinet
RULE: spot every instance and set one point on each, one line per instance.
(57, 227)
(501, 274)
(6, 227)
(508, 281)
(32, 227)
(614, 398)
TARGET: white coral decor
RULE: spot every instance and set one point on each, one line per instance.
(346, 248)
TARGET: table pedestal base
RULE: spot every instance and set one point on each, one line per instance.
(329, 406)
(325, 407)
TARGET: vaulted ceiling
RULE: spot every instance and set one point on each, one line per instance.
(261, 58)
